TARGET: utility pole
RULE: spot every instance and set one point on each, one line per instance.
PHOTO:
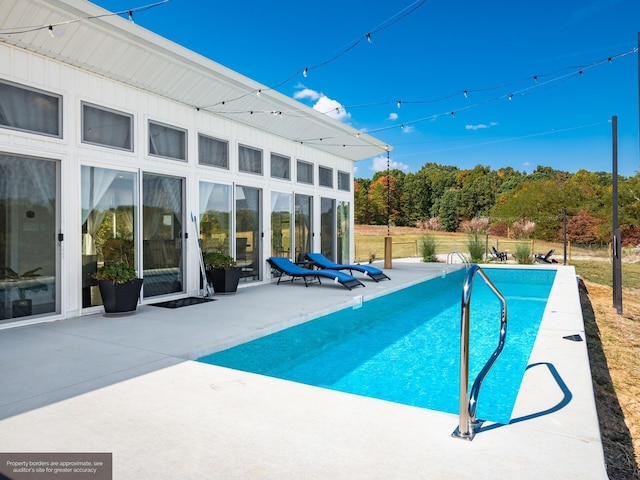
(616, 241)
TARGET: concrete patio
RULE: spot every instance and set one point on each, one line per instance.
(128, 386)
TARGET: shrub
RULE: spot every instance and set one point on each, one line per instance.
(523, 229)
(428, 246)
(476, 248)
(523, 254)
(119, 273)
(218, 260)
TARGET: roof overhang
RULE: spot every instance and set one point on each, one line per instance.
(121, 50)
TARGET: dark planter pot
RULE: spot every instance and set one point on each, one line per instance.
(120, 298)
(224, 280)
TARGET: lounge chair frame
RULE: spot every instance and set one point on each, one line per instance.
(320, 261)
(287, 268)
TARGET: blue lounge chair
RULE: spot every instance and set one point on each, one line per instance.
(321, 261)
(287, 267)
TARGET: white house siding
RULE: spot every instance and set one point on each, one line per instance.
(76, 86)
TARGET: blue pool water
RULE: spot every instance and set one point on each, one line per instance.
(405, 347)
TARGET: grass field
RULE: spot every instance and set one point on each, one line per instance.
(613, 340)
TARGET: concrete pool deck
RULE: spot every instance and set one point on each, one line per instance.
(128, 386)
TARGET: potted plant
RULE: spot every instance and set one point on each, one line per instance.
(119, 287)
(222, 272)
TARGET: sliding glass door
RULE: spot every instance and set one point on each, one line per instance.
(29, 242)
(281, 220)
(109, 199)
(328, 228)
(248, 232)
(162, 235)
(303, 223)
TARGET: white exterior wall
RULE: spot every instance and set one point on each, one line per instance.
(76, 86)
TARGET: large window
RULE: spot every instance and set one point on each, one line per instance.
(281, 222)
(29, 224)
(108, 128)
(30, 110)
(249, 160)
(213, 152)
(344, 181)
(304, 172)
(325, 177)
(215, 218)
(328, 228)
(108, 224)
(166, 141)
(280, 166)
(303, 223)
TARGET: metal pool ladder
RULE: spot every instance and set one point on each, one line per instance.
(469, 425)
(455, 253)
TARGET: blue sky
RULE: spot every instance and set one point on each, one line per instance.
(426, 54)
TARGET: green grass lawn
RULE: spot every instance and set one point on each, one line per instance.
(407, 244)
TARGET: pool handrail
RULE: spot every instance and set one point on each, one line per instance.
(455, 253)
(468, 424)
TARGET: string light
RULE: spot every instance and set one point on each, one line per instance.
(399, 103)
(344, 50)
(466, 94)
(129, 12)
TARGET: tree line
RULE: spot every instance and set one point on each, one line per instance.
(448, 198)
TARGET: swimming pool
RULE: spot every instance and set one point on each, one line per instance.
(404, 347)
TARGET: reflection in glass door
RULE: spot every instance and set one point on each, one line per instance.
(303, 224)
(108, 224)
(248, 232)
(328, 228)
(281, 238)
(343, 232)
(162, 234)
(29, 224)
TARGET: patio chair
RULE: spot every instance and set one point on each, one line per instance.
(320, 261)
(502, 256)
(545, 258)
(288, 268)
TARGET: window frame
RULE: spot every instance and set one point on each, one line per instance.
(308, 165)
(215, 139)
(170, 127)
(240, 169)
(288, 170)
(342, 174)
(108, 110)
(57, 97)
(325, 169)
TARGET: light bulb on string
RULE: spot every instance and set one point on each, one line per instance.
(399, 103)
(131, 16)
(51, 31)
(466, 94)
(453, 114)
(258, 93)
(304, 72)
(511, 96)
(368, 37)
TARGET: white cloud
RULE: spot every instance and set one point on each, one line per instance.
(323, 104)
(393, 116)
(481, 126)
(380, 164)
(331, 108)
(306, 93)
